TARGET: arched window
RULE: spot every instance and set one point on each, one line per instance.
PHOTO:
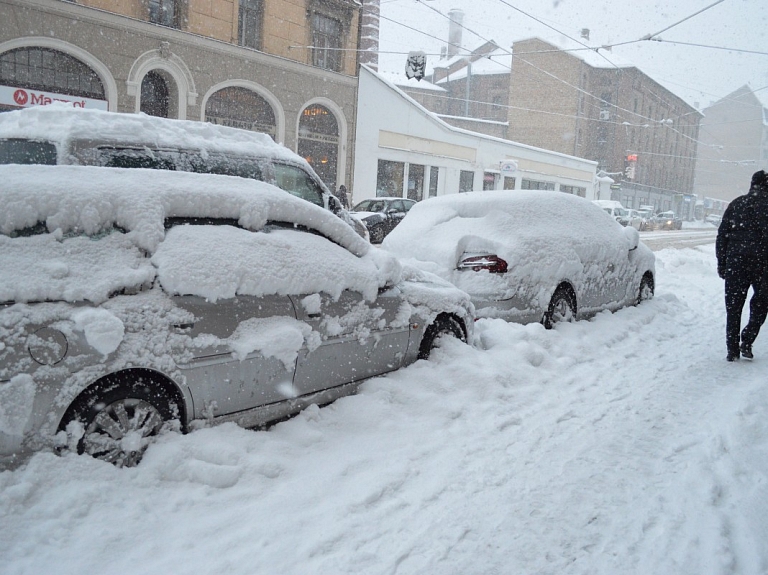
(49, 70)
(155, 95)
(319, 142)
(240, 107)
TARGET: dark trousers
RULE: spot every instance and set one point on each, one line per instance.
(736, 288)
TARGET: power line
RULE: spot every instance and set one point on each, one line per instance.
(651, 36)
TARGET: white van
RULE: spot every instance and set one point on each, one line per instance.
(59, 134)
(614, 209)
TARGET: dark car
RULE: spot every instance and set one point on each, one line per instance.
(381, 215)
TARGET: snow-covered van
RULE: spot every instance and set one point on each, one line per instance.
(614, 209)
(59, 134)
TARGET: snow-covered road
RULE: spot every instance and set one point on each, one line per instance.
(624, 444)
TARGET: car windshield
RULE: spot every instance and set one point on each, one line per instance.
(371, 206)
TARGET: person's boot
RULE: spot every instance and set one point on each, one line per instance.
(732, 355)
(746, 350)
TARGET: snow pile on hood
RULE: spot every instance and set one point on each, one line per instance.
(91, 202)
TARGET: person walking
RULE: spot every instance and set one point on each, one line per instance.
(342, 195)
(742, 261)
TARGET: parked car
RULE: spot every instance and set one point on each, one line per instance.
(667, 221)
(646, 219)
(614, 209)
(132, 298)
(381, 215)
(634, 220)
(59, 134)
(528, 256)
(714, 219)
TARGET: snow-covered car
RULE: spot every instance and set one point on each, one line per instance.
(714, 219)
(646, 216)
(667, 221)
(133, 298)
(381, 215)
(60, 134)
(528, 256)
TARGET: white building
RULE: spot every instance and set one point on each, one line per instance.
(404, 150)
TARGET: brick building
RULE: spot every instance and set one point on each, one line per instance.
(284, 67)
(733, 144)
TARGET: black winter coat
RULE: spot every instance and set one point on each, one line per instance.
(742, 238)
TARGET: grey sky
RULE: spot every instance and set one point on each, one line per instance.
(697, 74)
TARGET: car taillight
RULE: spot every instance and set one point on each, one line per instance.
(493, 264)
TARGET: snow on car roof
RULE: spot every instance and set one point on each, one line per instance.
(60, 124)
(89, 200)
(526, 228)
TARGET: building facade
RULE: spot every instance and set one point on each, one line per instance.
(283, 67)
(403, 150)
(734, 145)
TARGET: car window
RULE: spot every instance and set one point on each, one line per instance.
(297, 182)
(135, 158)
(20, 151)
(397, 205)
(408, 205)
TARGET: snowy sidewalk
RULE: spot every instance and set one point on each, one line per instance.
(625, 444)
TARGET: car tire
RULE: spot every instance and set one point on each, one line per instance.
(377, 234)
(562, 308)
(646, 289)
(443, 325)
(118, 418)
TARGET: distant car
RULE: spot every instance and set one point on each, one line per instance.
(714, 219)
(133, 300)
(528, 256)
(667, 221)
(381, 215)
(646, 217)
(634, 220)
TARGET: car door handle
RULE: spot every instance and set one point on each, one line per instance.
(183, 325)
(314, 315)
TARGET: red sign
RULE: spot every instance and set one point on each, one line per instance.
(632, 158)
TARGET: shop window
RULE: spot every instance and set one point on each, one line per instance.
(50, 71)
(575, 190)
(415, 182)
(326, 42)
(155, 95)
(319, 142)
(389, 179)
(434, 173)
(242, 108)
(509, 183)
(250, 23)
(490, 179)
(536, 185)
(164, 12)
(466, 181)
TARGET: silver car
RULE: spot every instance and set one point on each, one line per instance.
(137, 300)
(528, 256)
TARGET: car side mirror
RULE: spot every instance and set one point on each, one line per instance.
(633, 237)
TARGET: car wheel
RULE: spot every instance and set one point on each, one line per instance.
(646, 289)
(119, 419)
(562, 307)
(444, 325)
(377, 234)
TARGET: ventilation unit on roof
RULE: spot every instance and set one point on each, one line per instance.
(605, 115)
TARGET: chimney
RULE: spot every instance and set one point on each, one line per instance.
(585, 33)
(455, 20)
(369, 34)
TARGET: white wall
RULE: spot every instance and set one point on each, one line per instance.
(392, 126)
